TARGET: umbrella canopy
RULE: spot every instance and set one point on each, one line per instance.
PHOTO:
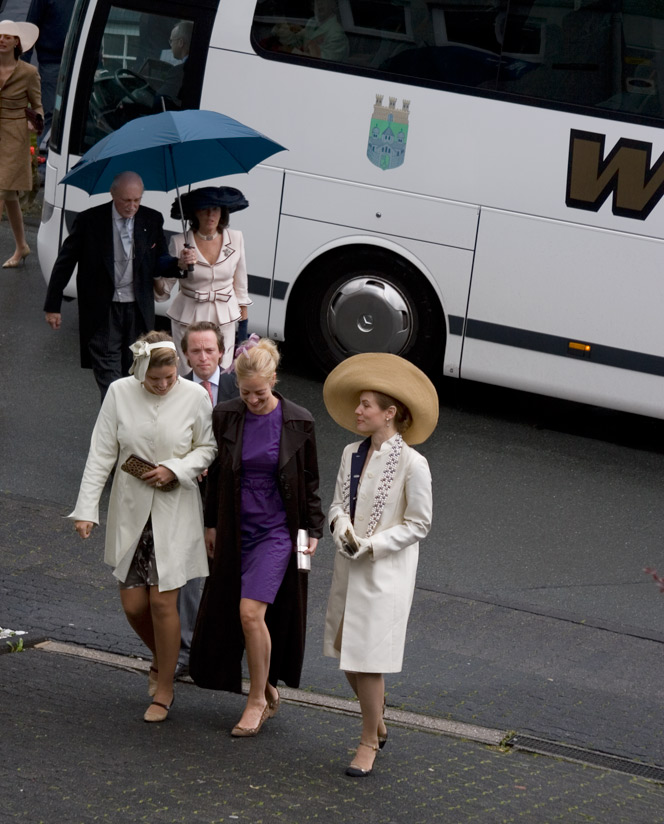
(172, 149)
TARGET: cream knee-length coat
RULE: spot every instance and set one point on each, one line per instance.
(174, 430)
(370, 598)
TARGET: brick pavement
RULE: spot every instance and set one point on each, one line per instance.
(76, 750)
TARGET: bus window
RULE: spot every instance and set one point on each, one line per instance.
(599, 54)
(140, 70)
(318, 34)
(592, 55)
(139, 61)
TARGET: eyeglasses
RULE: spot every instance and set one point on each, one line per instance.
(174, 40)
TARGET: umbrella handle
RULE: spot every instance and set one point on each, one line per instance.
(190, 267)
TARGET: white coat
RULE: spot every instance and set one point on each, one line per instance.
(174, 430)
(370, 597)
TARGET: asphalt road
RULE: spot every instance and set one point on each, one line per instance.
(539, 503)
(532, 612)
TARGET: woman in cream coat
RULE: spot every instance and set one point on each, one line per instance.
(381, 509)
(216, 289)
(154, 538)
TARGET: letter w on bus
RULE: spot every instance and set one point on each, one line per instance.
(625, 172)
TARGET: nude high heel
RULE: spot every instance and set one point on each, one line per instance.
(14, 262)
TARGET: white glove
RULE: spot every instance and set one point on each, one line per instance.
(352, 547)
(339, 526)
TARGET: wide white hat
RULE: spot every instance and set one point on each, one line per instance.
(391, 375)
(27, 33)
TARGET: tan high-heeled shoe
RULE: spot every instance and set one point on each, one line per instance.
(15, 261)
(157, 711)
(248, 732)
(272, 703)
(153, 677)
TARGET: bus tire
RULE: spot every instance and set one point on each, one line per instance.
(366, 299)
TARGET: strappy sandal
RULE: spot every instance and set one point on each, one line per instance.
(358, 772)
(156, 715)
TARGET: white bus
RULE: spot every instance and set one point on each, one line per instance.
(473, 184)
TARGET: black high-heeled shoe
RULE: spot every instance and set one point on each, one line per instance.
(382, 739)
(358, 772)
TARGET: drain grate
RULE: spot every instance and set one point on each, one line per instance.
(541, 746)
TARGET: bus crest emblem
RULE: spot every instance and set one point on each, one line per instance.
(388, 133)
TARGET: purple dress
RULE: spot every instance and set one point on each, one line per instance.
(266, 541)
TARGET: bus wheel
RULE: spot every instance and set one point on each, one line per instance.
(364, 299)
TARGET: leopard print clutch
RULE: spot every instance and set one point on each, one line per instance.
(136, 466)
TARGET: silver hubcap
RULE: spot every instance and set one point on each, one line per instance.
(369, 315)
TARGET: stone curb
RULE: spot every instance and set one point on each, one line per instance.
(411, 720)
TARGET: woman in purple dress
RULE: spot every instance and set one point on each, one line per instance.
(264, 490)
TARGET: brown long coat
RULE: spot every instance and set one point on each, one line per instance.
(22, 89)
(218, 643)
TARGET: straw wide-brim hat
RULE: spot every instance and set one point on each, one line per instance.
(391, 375)
(27, 33)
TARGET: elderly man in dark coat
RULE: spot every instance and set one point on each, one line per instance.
(120, 250)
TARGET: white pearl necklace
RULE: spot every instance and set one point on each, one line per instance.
(207, 237)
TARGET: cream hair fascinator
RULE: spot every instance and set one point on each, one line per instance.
(141, 351)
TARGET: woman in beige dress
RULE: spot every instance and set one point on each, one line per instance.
(216, 289)
(19, 89)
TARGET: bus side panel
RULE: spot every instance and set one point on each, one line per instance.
(301, 241)
(582, 285)
(385, 211)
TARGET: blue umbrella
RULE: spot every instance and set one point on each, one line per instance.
(172, 149)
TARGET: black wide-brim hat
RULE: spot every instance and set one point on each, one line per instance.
(209, 197)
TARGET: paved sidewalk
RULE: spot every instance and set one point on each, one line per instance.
(76, 750)
(466, 660)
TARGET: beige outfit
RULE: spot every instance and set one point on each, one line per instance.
(21, 90)
(370, 598)
(174, 430)
(211, 292)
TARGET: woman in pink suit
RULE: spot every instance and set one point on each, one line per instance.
(216, 289)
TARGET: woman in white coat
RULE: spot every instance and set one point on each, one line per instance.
(216, 288)
(154, 538)
(381, 510)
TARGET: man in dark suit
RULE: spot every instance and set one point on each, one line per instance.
(120, 249)
(203, 347)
